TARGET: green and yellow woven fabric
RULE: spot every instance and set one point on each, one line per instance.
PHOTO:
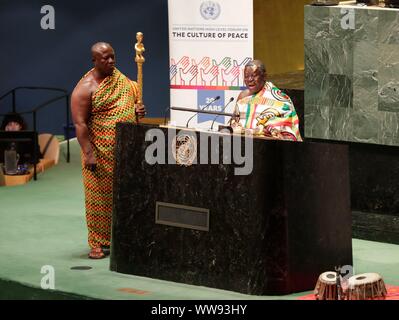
(112, 102)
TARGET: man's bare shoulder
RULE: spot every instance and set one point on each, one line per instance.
(86, 86)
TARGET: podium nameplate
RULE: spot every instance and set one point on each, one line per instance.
(182, 216)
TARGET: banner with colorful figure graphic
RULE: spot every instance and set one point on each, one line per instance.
(210, 42)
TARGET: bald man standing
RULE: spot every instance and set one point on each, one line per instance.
(103, 97)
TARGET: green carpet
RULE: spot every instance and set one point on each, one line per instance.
(42, 223)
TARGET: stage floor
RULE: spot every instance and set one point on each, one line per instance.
(42, 224)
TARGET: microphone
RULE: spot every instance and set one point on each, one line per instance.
(208, 104)
(166, 110)
(224, 108)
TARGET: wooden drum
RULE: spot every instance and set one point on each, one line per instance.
(366, 286)
(326, 286)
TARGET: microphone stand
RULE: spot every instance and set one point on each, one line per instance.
(164, 120)
(338, 294)
(231, 100)
(202, 111)
(215, 99)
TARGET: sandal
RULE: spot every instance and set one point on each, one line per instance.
(96, 253)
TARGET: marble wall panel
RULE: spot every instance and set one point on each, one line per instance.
(317, 23)
(317, 121)
(317, 56)
(388, 76)
(340, 57)
(389, 129)
(365, 127)
(366, 22)
(340, 91)
(365, 76)
(340, 124)
(316, 89)
(352, 74)
(340, 24)
(388, 26)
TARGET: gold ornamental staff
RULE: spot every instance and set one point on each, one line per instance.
(139, 47)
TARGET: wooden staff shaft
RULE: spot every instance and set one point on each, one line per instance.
(140, 81)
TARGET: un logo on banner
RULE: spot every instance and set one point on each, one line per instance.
(210, 10)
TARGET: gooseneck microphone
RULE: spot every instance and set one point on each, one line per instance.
(164, 120)
(207, 105)
(224, 108)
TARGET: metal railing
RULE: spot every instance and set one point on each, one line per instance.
(64, 95)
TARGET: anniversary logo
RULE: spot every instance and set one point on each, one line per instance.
(210, 43)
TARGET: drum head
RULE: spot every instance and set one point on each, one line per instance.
(328, 277)
(363, 278)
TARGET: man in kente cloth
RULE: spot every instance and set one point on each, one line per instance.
(103, 97)
(264, 110)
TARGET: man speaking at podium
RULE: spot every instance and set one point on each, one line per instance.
(103, 97)
(262, 109)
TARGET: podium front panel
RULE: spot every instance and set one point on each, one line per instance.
(272, 231)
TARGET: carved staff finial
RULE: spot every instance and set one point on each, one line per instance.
(139, 47)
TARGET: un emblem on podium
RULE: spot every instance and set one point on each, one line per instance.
(210, 10)
(184, 149)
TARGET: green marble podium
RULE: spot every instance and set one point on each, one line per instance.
(352, 74)
(352, 96)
